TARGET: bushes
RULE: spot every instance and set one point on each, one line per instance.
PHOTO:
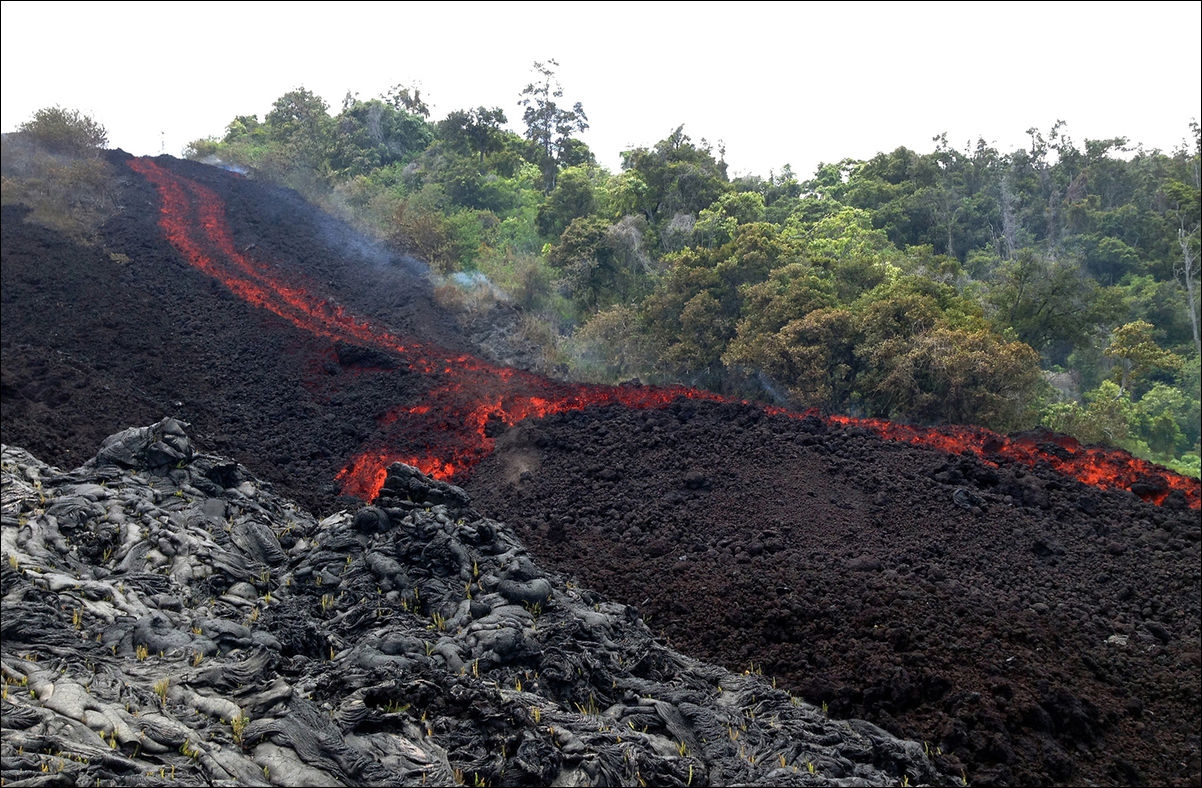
(66, 131)
(73, 194)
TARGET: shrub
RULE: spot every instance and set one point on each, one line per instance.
(72, 194)
(65, 130)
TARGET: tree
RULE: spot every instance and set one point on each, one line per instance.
(1169, 419)
(602, 264)
(704, 331)
(550, 127)
(1186, 272)
(1107, 259)
(475, 131)
(716, 224)
(752, 253)
(409, 99)
(65, 130)
(812, 357)
(369, 135)
(1138, 355)
(610, 346)
(423, 233)
(789, 293)
(1052, 304)
(51, 166)
(1184, 208)
(574, 196)
(675, 177)
(1105, 418)
(297, 113)
(300, 122)
(679, 306)
(962, 377)
(244, 126)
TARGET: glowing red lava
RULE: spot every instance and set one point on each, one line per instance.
(1107, 469)
(453, 429)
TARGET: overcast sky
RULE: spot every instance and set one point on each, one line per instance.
(774, 82)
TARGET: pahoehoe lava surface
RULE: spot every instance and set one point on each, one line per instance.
(171, 620)
(1030, 629)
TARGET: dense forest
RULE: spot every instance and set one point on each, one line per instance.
(1054, 285)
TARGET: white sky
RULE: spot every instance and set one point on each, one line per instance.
(776, 82)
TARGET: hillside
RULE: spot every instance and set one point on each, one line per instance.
(1030, 628)
(241, 641)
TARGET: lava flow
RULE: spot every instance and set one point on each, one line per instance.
(454, 427)
(1107, 469)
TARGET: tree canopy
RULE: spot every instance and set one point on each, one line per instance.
(1055, 284)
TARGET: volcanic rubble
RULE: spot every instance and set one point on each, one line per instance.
(1026, 628)
(168, 616)
(1032, 630)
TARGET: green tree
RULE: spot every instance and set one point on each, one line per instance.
(1051, 303)
(716, 224)
(585, 259)
(65, 131)
(407, 98)
(52, 167)
(1169, 420)
(245, 126)
(754, 251)
(675, 177)
(780, 192)
(1134, 348)
(371, 135)
(573, 197)
(425, 233)
(611, 346)
(1183, 208)
(958, 376)
(550, 127)
(812, 357)
(1104, 419)
(467, 186)
(476, 131)
(299, 114)
(1187, 272)
(687, 323)
(1106, 259)
(705, 328)
(299, 123)
(789, 293)
(602, 264)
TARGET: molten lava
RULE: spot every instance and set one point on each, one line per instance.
(1107, 469)
(453, 429)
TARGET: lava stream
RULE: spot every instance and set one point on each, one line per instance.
(453, 429)
(1108, 469)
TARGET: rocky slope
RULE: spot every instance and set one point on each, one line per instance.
(1027, 628)
(169, 618)
(1033, 630)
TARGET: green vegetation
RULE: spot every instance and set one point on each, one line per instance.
(52, 166)
(62, 130)
(1055, 285)
(238, 726)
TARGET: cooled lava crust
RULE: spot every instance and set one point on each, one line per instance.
(1034, 630)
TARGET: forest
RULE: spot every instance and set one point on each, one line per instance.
(1055, 285)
